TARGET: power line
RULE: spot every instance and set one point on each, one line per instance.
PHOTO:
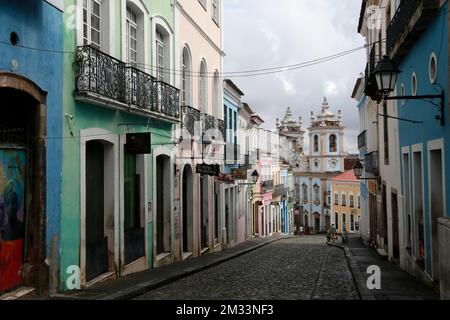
(231, 74)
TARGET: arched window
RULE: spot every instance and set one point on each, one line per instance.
(186, 82)
(132, 36)
(216, 94)
(316, 143)
(203, 87)
(305, 193)
(316, 195)
(160, 55)
(333, 143)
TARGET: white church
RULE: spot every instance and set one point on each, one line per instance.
(314, 170)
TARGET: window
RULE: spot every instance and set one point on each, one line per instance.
(333, 144)
(216, 93)
(160, 56)
(433, 68)
(336, 220)
(352, 201)
(386, 134)
(186, 83)
(215, 11)
(359, 201)
(131, 32)
(305, 193)
(92, 22)
(316, 143)
(344, 200)
(336, 199)
(316, 195)
(203, 88)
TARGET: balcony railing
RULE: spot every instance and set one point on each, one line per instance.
(267, 186)
(209, 122)
(101, 74)
(409, 21)
(232, 153)
(362, 140)
(190, 116)
(106, 81)
(279, 190)
(371, 88)
(372, 163)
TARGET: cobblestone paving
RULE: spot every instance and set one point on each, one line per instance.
(293, 269)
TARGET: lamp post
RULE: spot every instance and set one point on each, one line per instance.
(358, 170)
(386, 74)
(255, 178)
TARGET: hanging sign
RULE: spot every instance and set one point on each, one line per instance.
(226, 178)
(239, 174)
(138, 143)
(212, 170)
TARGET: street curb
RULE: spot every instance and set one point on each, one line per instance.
(358, 278)
(145, 287)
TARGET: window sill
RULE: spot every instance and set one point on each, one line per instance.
(216, 22)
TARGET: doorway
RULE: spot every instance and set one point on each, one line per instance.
(436, 205)
(163, 206)
(395, 225)
(22, 183)
(316, 222)
(188, 210)
(204, 213)
(134, 230)
(96, 241)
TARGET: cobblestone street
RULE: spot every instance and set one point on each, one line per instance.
(292, 269)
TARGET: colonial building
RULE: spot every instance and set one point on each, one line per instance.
(313, 171)
(346, 202)
(409, 222)
(31, 140)
(121, 108)
(201, 226)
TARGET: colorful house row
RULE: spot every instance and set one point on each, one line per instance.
(404, 211)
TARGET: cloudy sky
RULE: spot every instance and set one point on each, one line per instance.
(271, 33)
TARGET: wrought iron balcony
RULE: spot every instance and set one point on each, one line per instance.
(371, 88)
(168, 100)
(106, 81)
(409, 22)
(188, 119)
(100, 74)
(362, 140)
(279, 190)
(372, 163)
(232, 153)
(267, 186)
(209, 123)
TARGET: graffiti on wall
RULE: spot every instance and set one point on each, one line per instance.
(12, 216)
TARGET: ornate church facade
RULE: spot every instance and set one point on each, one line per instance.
(314, 170)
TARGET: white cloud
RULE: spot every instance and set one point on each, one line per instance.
(270, 33)
(331, 89)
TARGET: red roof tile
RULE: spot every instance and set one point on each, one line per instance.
(346, 176)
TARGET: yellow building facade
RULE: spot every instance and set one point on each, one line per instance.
(346, 202)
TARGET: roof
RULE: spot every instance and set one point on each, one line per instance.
(234, 86)
(361, 15)
(346, 176)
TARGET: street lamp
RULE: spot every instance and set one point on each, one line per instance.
(358, 170)
(255, 178)
(386, 74)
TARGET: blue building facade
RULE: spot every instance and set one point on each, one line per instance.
(424, 147)
(31, 121)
